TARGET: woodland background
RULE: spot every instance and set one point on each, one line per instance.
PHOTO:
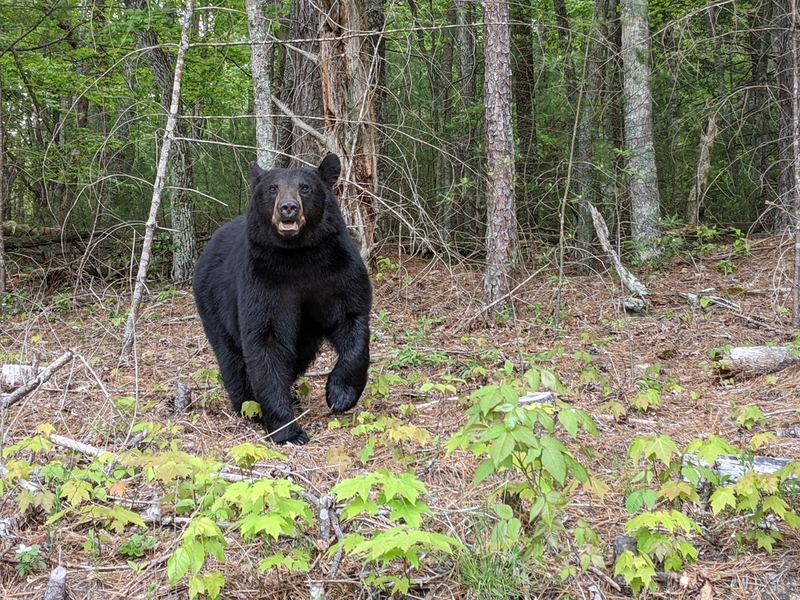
(707, 93)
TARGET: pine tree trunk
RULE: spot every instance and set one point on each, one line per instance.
(501, 234)
(638, 116)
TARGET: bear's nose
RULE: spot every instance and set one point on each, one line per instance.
(289, 209)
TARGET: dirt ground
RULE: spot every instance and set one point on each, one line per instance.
(428, 327)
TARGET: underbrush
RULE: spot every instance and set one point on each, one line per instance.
(483, 463)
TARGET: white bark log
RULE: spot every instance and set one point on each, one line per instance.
(750, 361)
(627, 278)
(158, 187)
(34, 383)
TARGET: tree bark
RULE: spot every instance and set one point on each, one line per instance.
(582, 171)
(787, 194)
(180, 175)
(261, 71)
(502, 242)
(301, 93)
(638, 117)
(698, 191)
(3, 191)
(347, 68)
(466, 139)
(751, 361)
(158, 185)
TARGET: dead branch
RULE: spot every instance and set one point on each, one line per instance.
(33, 384)
(158, 185)
(628, 279)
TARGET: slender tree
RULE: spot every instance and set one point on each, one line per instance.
(3, 191)
(180, 175)
(585, 134)
(501, 233)
(158, 185)
(261, 70)
(638, 115)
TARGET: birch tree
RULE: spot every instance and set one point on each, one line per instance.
(501, 232)
(158, 185)
(260, 68)
(638, 118)
(180, 173)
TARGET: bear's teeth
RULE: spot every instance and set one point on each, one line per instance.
(288, 226)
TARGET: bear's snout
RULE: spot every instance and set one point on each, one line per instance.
(288, 217)
(289, 209)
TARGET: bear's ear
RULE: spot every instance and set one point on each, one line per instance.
(329, 169)
(256, 171)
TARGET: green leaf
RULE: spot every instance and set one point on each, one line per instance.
(355, 486)
(721, 498)
(553, 458)
(213, 582)
(502, 447)
(484, 469)
(178, 565)
(569, 420)
(504, 511)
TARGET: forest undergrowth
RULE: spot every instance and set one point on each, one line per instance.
(450, 479)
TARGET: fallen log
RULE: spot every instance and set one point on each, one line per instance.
(751, 361)
(44, 376)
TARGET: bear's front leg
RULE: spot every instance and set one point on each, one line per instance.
(270, 369)
(349, 377)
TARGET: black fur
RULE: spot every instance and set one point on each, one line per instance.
(273, 284)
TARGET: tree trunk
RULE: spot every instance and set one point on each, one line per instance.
(3, 191)
(638, 117)
(698, 191)
(180, 173)
(301, 135)
(261, 71)
(787, 194)
(527, 167)
(582, 171)
(158, 185)
(501, 234)
(466, 139)
(347, 68)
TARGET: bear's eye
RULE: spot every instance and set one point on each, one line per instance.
(273, 189)
(304, 188)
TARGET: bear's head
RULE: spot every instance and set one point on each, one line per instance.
(286, 203)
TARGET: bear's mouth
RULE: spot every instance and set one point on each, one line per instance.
(289, 228)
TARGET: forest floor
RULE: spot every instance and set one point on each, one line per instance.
(428, 328)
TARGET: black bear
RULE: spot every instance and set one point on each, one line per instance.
(274, 283)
